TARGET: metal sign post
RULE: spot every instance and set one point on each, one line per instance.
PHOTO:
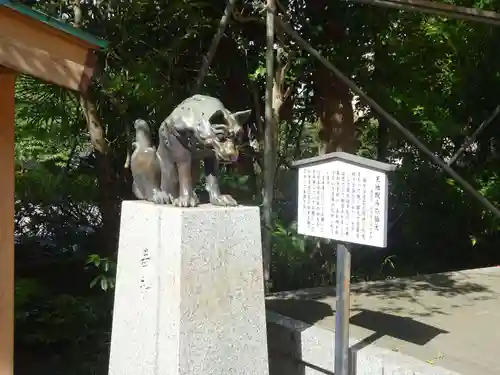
(343, 197)
(343, 288)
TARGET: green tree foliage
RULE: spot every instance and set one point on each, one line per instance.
(438, 77)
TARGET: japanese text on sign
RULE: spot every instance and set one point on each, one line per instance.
(343, 202)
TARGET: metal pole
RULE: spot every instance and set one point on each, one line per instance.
(473, 137)
(391, 120)
(343, 289)
(438, 9)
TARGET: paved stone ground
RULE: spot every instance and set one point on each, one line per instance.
(450, 319)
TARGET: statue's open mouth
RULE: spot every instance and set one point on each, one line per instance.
(226, 151)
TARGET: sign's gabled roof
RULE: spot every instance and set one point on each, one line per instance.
(54, 23)
(347, 158)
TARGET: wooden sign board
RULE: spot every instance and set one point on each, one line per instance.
(344, 197)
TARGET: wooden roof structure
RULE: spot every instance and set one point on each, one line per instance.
(36, 44)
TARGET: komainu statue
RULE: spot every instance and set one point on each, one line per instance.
(199, 128)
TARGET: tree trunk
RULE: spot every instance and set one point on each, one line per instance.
(107, 181)
(379, 76)
(269, 142)
(108, 199)
(333, 104)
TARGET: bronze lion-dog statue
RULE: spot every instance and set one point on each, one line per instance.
(199, 128)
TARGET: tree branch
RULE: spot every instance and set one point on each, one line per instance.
(207, 60)
(238, 16)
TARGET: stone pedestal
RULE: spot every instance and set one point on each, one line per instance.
(189, 296)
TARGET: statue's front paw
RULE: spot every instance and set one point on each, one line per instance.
(223, 200)
(186, 201)
(160, 197)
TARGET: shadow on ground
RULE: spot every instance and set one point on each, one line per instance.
(399, 292)
(396, 308)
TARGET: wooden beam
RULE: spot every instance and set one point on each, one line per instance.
(438, 8)
(7, 82)
(34, 48)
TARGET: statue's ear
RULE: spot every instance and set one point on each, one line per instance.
(242, 116)
(217, 117)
